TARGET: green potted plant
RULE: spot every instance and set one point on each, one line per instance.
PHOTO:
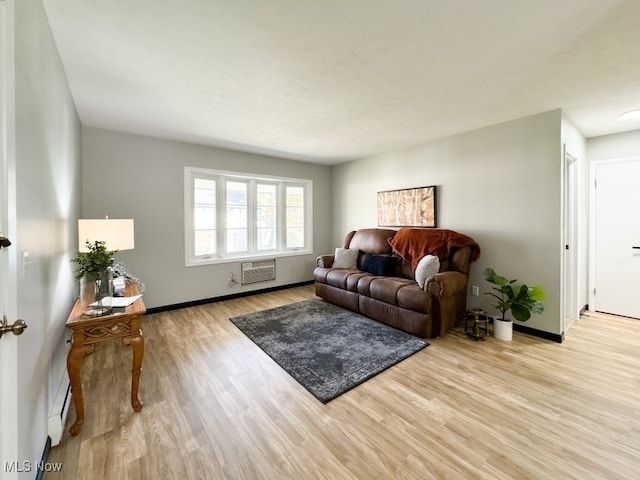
(521, 300)
(96, 278)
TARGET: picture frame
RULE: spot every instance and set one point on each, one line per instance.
(409, 207)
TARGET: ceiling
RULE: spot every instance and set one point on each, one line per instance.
(333, 80)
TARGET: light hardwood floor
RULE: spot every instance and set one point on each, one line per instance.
(216, 407)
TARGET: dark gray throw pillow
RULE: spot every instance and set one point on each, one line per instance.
(379, 264)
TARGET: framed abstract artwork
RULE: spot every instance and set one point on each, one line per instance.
(411, 207)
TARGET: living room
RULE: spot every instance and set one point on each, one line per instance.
(66, 169)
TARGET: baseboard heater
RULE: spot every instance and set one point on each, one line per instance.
(59, 411)
(258, 271)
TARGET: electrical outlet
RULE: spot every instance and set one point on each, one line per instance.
(475, 290)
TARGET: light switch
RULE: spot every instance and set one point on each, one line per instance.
(25, 265)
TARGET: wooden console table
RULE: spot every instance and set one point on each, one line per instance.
(87, 331)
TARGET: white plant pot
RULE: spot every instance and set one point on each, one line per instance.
(503, 329)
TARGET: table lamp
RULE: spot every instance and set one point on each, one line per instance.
(116, 232)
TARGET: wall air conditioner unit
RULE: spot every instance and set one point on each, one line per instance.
(260, 271)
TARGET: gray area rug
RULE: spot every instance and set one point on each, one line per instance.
(327, 349)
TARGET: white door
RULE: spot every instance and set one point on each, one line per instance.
(10, 456)
(617, 238)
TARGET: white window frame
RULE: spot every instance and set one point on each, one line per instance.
(221, 177)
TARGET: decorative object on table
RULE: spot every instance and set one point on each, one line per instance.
(520, 299)
(476, 324)
(99, 240)
(121, 270)
(412, 207)
(327, 349)
(119, 285)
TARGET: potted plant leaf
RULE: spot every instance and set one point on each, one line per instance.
(96, 278)
(521, 300)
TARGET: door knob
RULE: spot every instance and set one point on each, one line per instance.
(4, 242)
(17, 328)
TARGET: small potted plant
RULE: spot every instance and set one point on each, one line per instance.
(520, 299)
(96, 278)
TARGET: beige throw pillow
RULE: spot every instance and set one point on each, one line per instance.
(345, 258)
(427, 266)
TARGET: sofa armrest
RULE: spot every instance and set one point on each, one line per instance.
(446, 284)
(325, 261)
(449, 292)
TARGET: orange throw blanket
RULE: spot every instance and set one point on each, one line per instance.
(414, 243)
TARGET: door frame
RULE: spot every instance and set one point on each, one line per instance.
(571, 240)
(593, 176)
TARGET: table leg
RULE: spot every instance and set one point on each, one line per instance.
(137, 349)
(74, 369)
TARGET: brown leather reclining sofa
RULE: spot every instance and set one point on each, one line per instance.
(395, 298)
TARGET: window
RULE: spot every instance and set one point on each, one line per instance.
(237, 207)
(204, 216)
(267, 214)
(231, 216)
(295, 217)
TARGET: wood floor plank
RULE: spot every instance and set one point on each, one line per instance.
(217, 407)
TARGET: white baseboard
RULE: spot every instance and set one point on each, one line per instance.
(59, 411)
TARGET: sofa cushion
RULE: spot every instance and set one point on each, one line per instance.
(386, 289)
(337, 277)
(371, 240)
(427, 266)
(354, 278)
(384, 265)
(345, 258)
(364, 285)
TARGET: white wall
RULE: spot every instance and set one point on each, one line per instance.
(48, 148)
(131, 176)
(609, 147)
(500, 185)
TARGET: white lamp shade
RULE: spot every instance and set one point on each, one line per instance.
(117, 233)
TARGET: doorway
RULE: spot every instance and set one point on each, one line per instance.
(615, 260)
(571, 310)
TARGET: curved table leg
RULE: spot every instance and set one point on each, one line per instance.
(137, 349)
(74, 369)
